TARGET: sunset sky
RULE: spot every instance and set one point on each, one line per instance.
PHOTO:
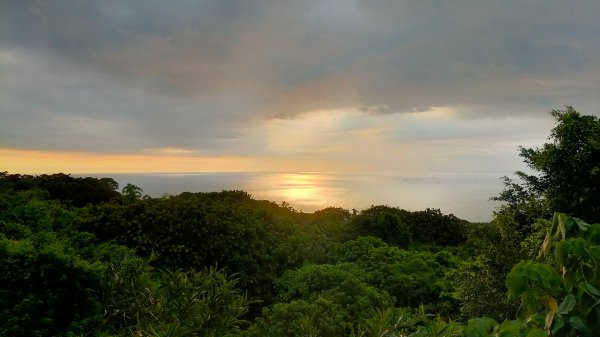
(197, 86)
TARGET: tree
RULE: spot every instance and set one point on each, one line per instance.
(565, 178)
(567, 169)
(45, 288)
(132, 192)
(109, 183)
(413, 277)
(432, 226)
(383, 222)
(197, 230)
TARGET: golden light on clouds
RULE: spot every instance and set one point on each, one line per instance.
(169, 151)
(437, 113)
(317, 131)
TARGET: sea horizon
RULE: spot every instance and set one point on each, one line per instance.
(464, 194)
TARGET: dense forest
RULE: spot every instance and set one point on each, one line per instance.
(83, 257)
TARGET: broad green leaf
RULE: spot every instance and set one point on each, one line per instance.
(559, 323)
(578, 323)
(591, 290)
(567, 305)
(516, 280)
(570, 251)
(594, 233)
(514, 326)
(537, 333)
(480, 327)
(592, 307)
(532, 299)
(583, 226)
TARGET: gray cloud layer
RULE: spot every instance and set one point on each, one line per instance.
(128, 75)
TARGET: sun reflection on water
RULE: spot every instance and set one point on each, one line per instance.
(308, 191)
(300, 187)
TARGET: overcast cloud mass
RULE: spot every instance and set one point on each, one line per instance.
(413, 85)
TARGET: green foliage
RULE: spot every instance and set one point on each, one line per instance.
(141, 301)
(566, 178)
(515, 234)
(412, 277)
(568, 167)
(481, 292)
(45, 288)
(309, 238)
(394, 322)
(314, 279)
(357, 285)
(32, 211)
(480, 327)
(331, 216)
(479, 236)
(58, 281)
(308, 244)
(337, 283)
(439, 328)
(431, 226)
(196, 231)
(487, 327)
(533, 282)
(561, 294)
(131, 193)
(319, 317)
(326, 283)
(383, 222)
(76, 192)
(50, 286)
(381, 323)
(334, 222)
(400, 227)
(256, 240)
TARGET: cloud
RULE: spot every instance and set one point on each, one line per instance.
(53, 107)
(169, 151)
(303, 56)
(375, 109)
(308, 78)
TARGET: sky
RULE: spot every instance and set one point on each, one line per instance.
(340, 86)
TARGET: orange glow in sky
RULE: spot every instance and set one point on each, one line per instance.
(40, 162)
(36, 162)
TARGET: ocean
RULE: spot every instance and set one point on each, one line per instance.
(465, 195)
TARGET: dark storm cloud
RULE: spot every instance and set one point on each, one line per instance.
(138, 74)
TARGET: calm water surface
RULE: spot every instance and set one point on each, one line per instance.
(466, 195)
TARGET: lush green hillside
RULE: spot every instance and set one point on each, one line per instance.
(78, 257)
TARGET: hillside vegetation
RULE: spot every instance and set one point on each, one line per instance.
(81, 257)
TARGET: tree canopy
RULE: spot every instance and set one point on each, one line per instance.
(566, 170)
